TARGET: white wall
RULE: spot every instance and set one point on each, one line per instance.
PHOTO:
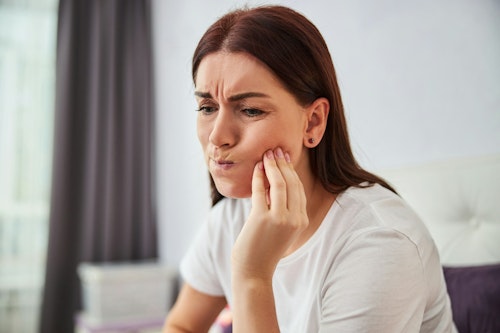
(420, 82)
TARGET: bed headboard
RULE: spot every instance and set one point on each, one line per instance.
(459, 200)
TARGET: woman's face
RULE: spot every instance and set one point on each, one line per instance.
(244, 111)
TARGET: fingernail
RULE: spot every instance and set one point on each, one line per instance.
(287, 157)
(260, 165)
(270, 154)
(279, 153)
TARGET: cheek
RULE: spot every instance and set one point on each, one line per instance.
(292, 145)
(288, 136)
(270, 141)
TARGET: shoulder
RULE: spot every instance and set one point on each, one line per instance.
(376, 211)
(368, 195)
(381, 206)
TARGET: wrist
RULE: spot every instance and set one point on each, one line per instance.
(256, 275)
(251, 281)
(253, 304)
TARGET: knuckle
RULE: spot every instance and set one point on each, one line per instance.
(280, 219)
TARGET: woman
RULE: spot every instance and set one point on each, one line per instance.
(300, 237)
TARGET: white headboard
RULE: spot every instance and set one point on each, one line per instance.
(459, 201)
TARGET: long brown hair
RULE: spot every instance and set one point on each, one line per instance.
(294, 49)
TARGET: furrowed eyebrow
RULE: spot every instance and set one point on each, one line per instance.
(234, 98)
(239, 97)
(202, 94)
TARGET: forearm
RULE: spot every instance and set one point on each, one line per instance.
(173, 329)
(193, 312)
(253, 306)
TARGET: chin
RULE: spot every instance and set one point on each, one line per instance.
(234, 191)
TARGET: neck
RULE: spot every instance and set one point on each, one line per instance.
(319, 201)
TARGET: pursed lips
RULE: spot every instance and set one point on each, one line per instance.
(223, 164)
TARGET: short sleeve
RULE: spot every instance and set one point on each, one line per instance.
(376, 285)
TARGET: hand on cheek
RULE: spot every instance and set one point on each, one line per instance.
(277, 217)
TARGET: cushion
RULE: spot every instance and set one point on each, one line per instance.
(475, 297)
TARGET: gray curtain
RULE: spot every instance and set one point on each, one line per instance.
(102, 202)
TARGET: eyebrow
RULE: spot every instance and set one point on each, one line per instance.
(234, 98)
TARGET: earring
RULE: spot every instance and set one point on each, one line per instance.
(311, 140)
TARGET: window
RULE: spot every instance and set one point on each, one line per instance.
(27, 91)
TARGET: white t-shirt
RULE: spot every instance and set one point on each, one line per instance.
(371, 266)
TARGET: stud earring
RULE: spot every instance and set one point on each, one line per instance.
(311, 140)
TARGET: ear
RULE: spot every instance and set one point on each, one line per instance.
(317, 116)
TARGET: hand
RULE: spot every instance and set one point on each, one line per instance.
(277, 217)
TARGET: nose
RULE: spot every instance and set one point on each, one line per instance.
(223, 131)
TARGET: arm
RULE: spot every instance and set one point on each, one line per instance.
(193, 312)
(254, 308)
(277, 217)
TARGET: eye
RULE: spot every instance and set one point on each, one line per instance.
(252, 112)
(206, 110)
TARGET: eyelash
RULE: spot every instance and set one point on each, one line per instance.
(249, 112)
(206, 109)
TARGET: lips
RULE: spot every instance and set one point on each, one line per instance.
(223, 164)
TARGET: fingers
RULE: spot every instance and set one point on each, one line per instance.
(286, 190)
(296, 197)
(277, 183)
(258, 187)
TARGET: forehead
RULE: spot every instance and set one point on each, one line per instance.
(229, 73)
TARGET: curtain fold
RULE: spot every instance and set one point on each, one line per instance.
(102, 203)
